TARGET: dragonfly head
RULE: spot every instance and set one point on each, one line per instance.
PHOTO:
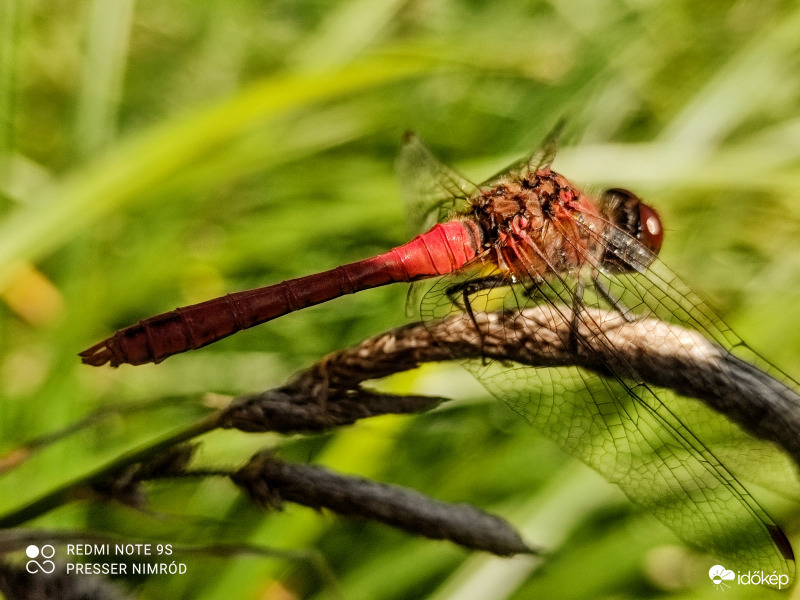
(626, 211)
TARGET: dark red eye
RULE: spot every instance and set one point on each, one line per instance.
(651, 231)
(627, 211)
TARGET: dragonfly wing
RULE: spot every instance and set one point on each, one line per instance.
(433, 192)
(749, 459)
(542, 157)
(659, 293)
(645, 288)
(617, 423)
(624, 431)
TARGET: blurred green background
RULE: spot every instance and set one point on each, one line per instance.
(156, 154)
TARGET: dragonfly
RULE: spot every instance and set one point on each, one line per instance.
(523, 237)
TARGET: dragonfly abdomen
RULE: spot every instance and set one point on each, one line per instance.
(443, 249)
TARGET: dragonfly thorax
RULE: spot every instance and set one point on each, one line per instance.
(537, 224)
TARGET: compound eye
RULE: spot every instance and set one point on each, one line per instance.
(627, 211)
(651, 231)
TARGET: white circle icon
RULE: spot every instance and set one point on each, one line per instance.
(34, 566)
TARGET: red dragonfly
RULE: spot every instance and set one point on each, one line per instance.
(522, 237)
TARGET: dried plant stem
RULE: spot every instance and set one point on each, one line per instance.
(329, 394)
(661, 354)
(270, 482)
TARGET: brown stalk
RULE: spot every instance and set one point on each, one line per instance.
(330, 394)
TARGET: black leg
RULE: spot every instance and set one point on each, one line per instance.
(615, 302)
(465, 289)
(577, 304)
(459, 294)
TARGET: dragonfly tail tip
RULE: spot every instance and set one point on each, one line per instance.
(96, 356)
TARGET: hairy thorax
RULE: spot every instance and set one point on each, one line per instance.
(539, 225)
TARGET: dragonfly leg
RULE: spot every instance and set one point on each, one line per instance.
(577, 303)
(614, 301)
(460, 293)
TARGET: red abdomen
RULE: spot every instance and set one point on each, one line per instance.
(443, 249)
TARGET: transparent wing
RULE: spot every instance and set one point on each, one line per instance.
(432, 191)
(656, 291)
(618, 424)
(749, 459)
(542, 157)
(647, 288)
